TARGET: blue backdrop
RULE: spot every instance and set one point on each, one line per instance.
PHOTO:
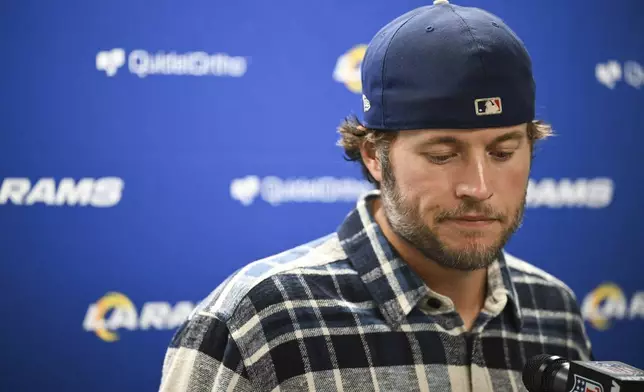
(149, 149)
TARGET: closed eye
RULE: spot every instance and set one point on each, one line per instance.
(440, 159)
(502, 155)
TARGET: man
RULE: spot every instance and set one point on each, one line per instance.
(414, 291)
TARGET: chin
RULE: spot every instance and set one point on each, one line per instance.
(476, 241)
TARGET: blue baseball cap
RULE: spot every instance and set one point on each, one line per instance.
(446, 66)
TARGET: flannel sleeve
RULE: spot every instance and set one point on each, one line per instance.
(579, 331)
(202, 356)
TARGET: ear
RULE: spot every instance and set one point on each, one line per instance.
(371, 161)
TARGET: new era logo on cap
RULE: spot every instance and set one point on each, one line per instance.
(488, 106)
(366, 105)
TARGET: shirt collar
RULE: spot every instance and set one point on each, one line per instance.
(501, 285)
(395, 287)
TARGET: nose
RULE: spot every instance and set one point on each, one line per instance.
(474, 183)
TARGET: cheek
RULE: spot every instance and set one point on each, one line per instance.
(513, 180)
(424, 185)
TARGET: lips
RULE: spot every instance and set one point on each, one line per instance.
(473, 218)
(472, 221)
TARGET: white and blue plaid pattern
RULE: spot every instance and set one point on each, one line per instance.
(343, 313)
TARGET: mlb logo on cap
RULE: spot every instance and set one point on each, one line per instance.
(488, 106)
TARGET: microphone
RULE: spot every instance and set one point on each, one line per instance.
(551, 373)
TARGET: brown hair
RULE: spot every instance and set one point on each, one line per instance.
(353, 134)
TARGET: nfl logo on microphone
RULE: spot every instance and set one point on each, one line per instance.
(583, 384)
(487, 106)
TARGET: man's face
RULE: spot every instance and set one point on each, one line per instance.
(457, 195)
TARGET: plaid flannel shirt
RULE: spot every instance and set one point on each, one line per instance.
(344, 313)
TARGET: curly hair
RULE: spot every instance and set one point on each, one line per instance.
(353, 134)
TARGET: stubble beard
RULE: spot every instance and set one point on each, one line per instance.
(406, 221)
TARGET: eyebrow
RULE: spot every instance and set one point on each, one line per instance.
(512, 135)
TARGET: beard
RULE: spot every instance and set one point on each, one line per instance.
(406, 221)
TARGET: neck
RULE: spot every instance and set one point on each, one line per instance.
(466, 289)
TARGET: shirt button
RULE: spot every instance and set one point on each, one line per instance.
(434, 303)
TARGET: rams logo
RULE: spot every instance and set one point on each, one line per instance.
(603, 304)
(347, 68)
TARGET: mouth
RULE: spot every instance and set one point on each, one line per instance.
(472, 221)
